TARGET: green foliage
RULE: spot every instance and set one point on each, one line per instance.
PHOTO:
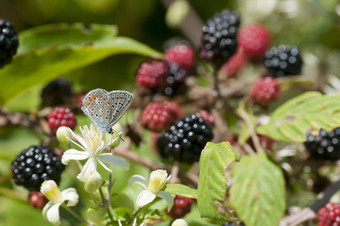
(182, 190)
(291, 120)
(56, 56)
(212, 186)
(258, 191)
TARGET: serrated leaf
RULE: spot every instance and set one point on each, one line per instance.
(258, 191)
(212, 186)
(37, 67)
(182, 190)
(291, 120)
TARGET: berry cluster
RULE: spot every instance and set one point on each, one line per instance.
(8, 42)
(158, 117)
(184, 141)
(34, 165)
(61, 116)
(265, 91)
(219, 38)
(323, 144)
(57, 92)
(329, 215)
(283, 60)
(181, 207)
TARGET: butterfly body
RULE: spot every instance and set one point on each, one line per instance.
(106, 108)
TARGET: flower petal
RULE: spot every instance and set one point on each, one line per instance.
(71, 196)
(138, 179)
(90, 165)
(167, 197)
(73, 154)
(144, 198)
(114, 160)
(53, 214)
(103, 165)
(46, 207)
(78, 138)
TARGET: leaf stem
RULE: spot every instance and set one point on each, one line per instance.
(106, 204)
(134, 215)
(74, 214)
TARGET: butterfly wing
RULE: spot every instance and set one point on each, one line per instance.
(96, 105)
(120, 102)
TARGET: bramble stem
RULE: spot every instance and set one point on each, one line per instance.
(106, 204)
(74, 214)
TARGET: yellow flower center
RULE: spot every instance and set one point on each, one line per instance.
(50, 189)
(158, 179)
(92, 137)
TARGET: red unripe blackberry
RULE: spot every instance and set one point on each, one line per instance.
(158, 117)
(37, 199)
(57, 92)
(181, 54)
(329, 215)
(152, 74)
(235, 64)
(283, 61)
(265, 91)
(324, 145)
(8, 42)
(181, 207)
(61, 116)
(36, 164)
(254, 39)
(207, 116)
(185, 140)
(219, 37)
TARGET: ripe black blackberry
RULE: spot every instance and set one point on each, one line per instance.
(8, 42)
(324, 145)
(174, 84)
(34, 165)
(57, 92)
(229, 223)
(283, 60)
(219, 40)
(185, 140)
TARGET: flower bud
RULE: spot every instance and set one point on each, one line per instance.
(176, 13)
(51, 191)
(93, 181)
(158, 179)
(116, 136)
(62, 133)
(179, 222)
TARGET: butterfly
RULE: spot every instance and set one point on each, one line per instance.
(106, 108)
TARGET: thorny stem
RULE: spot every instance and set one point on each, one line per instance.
(174, 173)
(134, 215)
(75, 214)
(106, 204)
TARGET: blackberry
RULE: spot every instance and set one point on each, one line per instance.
(265, 91)
(175, 80)
(219, 40)
(152, 74)
(324, 145)
(34, 165)
(229, 223)
(181, 54)
(8, 42)
(235, 64)
(283, 61)
(181, 207)
(185, 139)
(61, 116)
(57, 92)
(329, 215)
(208, 117)
(37, 199)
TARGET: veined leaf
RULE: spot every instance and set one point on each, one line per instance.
(182, 190)
(212, 186)
(56, 56)
(291, 121)
(258, 191)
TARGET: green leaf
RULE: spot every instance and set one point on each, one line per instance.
(182, 190)
(258, 191)
(291, 120)
(212, 186)
(37, 67)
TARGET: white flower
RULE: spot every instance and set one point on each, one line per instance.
(51, 210)
(179, 222)
(92, 143)
(158, 179)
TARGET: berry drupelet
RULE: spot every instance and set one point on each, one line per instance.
(8, 42)
(36, 164)
(329, 215)
(265, 91)
(219, 38)
(181, 54)
(184, 141)
(61, 116)
(181, 207)
(175, 83)
(323, 144)
(283, 61)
